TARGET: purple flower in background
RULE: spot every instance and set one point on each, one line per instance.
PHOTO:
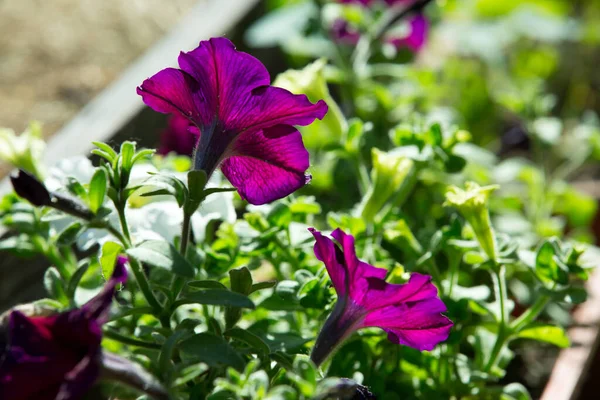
(410, 313)
(244, 124)
(414, 39)
(177, 137)
(57, 356)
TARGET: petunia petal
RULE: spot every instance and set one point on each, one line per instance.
(381, 293)
(268, 164)
(331, 255)
(416, 324)
(225, 76)
(78, 380)
(358, 271)
(33, 352)
(235, 87)
(98, 307)
(173, 91)
(269, 106)
(417, 36)
(180, 136)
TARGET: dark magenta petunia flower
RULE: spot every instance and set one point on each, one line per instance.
(58, 356)
(414, 39)
(177, 137)
(245, 125)
(410, 313)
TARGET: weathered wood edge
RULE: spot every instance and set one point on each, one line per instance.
(573, 363)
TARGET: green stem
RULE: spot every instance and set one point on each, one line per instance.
(178, 281)
(286, 252)
(499, 279)
(136, 268)
(123, 220)
(454, 261)
(58, 261)
(132, 311)
(185, 233)
(531, 314)
(144, 285)
(114, 335)
(364, 179)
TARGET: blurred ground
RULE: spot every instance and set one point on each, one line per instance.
(56, 55)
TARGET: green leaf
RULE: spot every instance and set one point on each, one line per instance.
(435, 132)
(474, 258)
(108, 258)
(140, 155)
(170, 184)
(262, 285)
(287, 289)
(555, 335)
(249, 338)
(217, 297)
(305, 205)
(392, 177)
(105, 148)
(548, 266)
(197, 180)
(75, 279)
(127, 152)
(69, 235)
(207, 284)
(162, 254)
(241, 280)
(166, 352)
(280, 215)
(212, 350)
(515, 391)
(454, 164)
(53, 283)
(97, 190)
(76, 188)
(19, 245)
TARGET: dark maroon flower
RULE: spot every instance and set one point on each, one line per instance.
(177, 137)
(245, 125)
(57, 356)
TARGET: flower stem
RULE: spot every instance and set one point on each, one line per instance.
(286, 252)
(531, 314)
(178, 281)
(499, 279)
(114, 335)
(123, 220)
(137, 269)
(454, 261)
(144, 285)
(132, 311)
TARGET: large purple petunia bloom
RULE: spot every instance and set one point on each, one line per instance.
(58, 356)
(244, 124)
(414, 39)
(410, 313)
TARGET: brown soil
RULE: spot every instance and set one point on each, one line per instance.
(56, 55)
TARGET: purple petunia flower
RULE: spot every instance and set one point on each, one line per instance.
(177, 137)
(410, 313)
(244, 124)
(415, 38)
(57, 356)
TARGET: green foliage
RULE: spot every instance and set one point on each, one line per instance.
(418, 162)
